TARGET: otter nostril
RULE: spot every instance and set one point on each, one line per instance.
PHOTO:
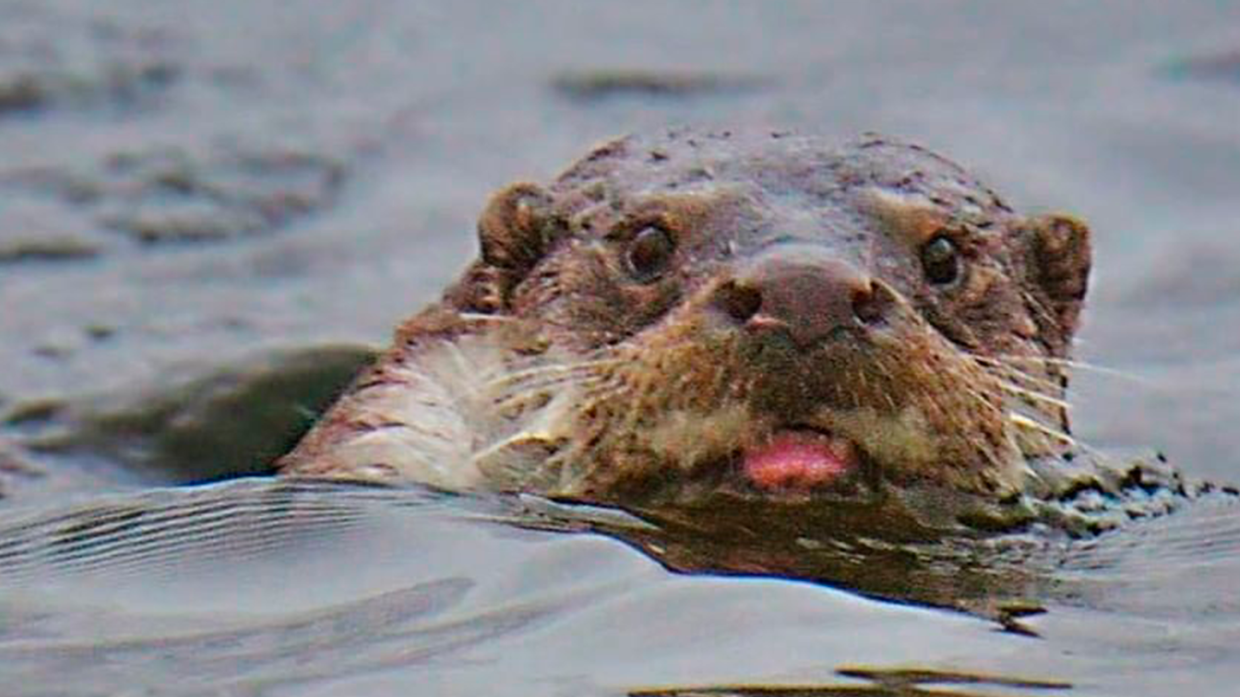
(872, 304)
(740, 301)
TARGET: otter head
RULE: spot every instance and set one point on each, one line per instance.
(772, 317)
(757, 315)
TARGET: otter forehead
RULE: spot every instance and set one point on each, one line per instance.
(760, 187)
(804, 170)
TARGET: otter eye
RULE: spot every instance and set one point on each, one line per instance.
(650, 252)
(940, 259)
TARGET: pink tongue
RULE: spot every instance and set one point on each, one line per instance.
(798, 460)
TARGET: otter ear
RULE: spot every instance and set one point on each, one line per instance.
(515, 231)
(1059, 259)
(511, 229)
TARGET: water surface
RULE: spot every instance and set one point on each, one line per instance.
(185, 186)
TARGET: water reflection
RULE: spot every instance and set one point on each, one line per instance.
(884, 683)
(274, 585)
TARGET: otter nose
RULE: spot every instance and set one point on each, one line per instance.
(805, 294)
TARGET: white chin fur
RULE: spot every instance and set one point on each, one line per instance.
(442, 420)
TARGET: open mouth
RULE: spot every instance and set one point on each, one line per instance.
(799, 459)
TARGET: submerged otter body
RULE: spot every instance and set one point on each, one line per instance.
(760, 315)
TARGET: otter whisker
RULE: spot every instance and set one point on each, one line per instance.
(1075, 365)
(606, 388)
(984, 399)
(555, 369)
(1037, 360)
(1031, 382)
(967, 377)
(466, 365)
(532, 395)
(1034, 395)
(543, 388)
(481, 317)
(1016, 373)
(1023, 421)
(499, 446)
(1008, 380)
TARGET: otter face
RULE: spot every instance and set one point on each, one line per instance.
(773, 318)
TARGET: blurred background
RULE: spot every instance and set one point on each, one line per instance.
(184, 185)
(211, 211)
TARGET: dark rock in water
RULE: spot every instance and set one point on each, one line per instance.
(594, 85)
(45, 250)
(884, 682)
(1187, 275)
(41, 230)
(21, 91)
(89, 63)
(26, 477)
(13, 465)
(1224, 65)
(171, 195)
(231, 421)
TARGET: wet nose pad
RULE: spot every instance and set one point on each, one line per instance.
(808, 296)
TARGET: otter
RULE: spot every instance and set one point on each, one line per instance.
(761, 314)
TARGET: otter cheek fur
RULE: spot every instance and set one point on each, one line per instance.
(759, 314)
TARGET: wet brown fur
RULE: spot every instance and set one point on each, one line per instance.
(549, 367)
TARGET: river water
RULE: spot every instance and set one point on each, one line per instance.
(198, 198)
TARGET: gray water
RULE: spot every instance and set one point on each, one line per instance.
(186, 188)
